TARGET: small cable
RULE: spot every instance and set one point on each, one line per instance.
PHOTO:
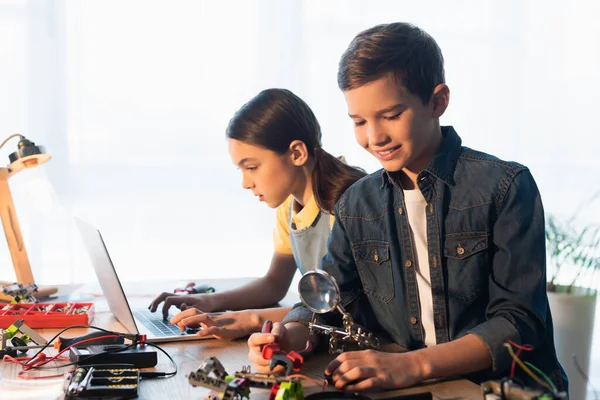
(308, 378)
(525, 368)
(151, 375)
(526, 347)
(73, 327)
(10, 137)
(112, 334)
(72, 345)
(542, 374)
(584, 375)
(25, 375)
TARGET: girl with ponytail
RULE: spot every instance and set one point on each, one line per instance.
(275, 140)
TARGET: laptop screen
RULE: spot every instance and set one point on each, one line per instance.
(107, 275)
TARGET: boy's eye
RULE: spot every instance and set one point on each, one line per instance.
(251, 168)
(359, 123)
(392, 117)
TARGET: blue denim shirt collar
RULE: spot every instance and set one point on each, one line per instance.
(443, 163)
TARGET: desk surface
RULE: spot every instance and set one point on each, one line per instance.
(232, 354)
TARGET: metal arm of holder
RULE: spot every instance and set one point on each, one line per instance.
(320, 293)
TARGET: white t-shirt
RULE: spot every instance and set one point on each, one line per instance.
(417, 219)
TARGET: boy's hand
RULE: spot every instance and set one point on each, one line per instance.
(199, 301)
(370, 369)
(258, 340)
(229, 325)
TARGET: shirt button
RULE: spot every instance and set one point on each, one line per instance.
(376, 257)
(460, 250)
(401, 211)
(408, 264)
(413, 320)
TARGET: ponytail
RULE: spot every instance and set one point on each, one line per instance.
(330, 179)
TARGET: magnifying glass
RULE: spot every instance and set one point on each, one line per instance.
(319, 291)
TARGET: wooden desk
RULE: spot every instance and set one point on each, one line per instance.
(233, 355)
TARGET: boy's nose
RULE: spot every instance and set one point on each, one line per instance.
(376, 135)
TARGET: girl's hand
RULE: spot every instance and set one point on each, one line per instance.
(229, 325)
(200, 301)
(258, 340)
(370, 369)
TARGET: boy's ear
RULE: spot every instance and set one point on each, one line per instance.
(440, 99)
(298, 153)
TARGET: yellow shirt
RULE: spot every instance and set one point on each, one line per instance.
(303, 219)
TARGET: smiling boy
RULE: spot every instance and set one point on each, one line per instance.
(444, 246)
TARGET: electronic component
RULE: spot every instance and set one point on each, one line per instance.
(137, 356)
(212, 375)
(98, 383)
(19, 342)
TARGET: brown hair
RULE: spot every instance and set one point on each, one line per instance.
(273, 119)
(402, 49)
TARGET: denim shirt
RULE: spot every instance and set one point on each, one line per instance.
(487, 258)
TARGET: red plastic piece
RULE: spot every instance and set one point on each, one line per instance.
(269, 349)
(296, 359)
(47, 315)
(189, 288)
(274, 390)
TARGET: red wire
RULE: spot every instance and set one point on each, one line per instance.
(15, 360)
(526, 347)
(21, 375)
(68, 347)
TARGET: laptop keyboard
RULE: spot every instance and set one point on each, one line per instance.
(156, 324)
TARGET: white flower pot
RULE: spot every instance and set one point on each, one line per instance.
(573, 317)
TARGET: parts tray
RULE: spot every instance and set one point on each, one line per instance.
(47, 315)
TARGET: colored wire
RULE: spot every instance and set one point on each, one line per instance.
(526, 347)
(543, 375)
(24, 375)
(15, 360)
(73, 327)
(308, 378)
(112, 334)
(583, 375)
(166, 374)
(525, 368)
(72, 345)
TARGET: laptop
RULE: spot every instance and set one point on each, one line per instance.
(140, 320)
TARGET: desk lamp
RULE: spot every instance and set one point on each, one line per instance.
(28, 155)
